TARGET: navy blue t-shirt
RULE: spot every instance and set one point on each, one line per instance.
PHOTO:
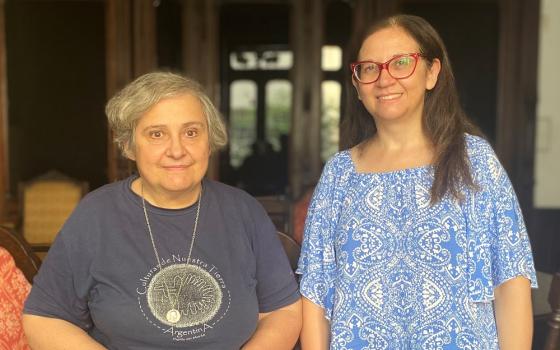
(102, 275)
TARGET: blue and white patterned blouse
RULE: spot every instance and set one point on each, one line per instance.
(393, 272)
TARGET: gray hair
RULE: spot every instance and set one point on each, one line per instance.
(127, 106)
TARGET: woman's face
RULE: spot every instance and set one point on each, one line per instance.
(389, 98)
(171, 147)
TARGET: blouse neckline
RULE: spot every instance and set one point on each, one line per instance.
(413, 170)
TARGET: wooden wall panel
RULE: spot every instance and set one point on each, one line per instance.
(306, 41)
(200, 53)
(4, 170)
(131, 52)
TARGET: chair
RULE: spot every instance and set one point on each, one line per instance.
(46, 203)
(553, 337)
(24, 257)
(291, 247)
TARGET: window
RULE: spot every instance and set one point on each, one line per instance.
(331, 58)
(243, 119)
(261, 60)
(330, 118)
(278, 111)
(331, 89)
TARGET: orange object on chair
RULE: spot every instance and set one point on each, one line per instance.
(14, 289)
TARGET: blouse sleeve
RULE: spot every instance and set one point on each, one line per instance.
(317, 262)
(500, 245)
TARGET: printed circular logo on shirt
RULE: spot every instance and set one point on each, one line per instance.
(183, 295)
(184, 301)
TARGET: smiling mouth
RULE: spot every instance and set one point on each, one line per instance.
(389, 97)
(175, 167)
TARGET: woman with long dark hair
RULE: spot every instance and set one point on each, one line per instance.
(414, 238)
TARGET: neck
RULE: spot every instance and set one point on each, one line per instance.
(166, 199)
(397, 145)
(400, 135)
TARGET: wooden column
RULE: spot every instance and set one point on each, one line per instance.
(307, 36)
(4, 168)
(130, 52)
(201, 53)
(144, 34)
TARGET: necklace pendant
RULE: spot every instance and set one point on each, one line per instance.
(173, 315)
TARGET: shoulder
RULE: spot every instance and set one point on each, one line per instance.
(227, 192)
(107, 190)
(478, 146)
(229, 196)
(104, 201)
(485, 165)
(340, 161)
(480, 152)
(338, 168)
(238, 206)
(105, 194)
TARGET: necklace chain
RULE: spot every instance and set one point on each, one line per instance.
(150, 228)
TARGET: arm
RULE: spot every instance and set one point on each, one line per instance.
(56, 334)
(278, 329)
(514, 317)
(315, 330)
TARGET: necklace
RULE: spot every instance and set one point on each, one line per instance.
(173, 315)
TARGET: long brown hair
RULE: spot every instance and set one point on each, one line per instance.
(444, 120)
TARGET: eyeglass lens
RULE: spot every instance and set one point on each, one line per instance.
(399, 67)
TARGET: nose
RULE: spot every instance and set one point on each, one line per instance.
(385, 78)
(176, 149)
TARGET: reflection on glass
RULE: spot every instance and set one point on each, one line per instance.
(278, 107)
(242, 119)
(331, 58)
(261, 60)
(330, 118)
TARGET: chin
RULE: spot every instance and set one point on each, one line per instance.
(180, 185)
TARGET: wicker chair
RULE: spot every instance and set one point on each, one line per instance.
(46, 202)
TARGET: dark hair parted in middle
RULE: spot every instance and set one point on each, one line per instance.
(443, 118)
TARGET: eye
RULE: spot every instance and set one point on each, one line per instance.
(191, 133)
(156, 134)
(369, 67)
(403, 61)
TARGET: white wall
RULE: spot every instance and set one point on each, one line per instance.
(547, 151)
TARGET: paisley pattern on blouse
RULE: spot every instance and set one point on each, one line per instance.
(394, 272)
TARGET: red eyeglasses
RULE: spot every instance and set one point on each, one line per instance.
(398, 67)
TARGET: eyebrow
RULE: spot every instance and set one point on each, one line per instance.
(165, 125)
(395, 55)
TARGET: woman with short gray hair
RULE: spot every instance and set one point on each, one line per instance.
(165, 259)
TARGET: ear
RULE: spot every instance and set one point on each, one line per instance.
(356, 87)
(129, 153)
(433, 74)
